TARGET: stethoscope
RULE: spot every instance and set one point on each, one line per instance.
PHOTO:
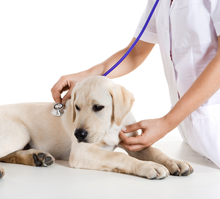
(58, 109)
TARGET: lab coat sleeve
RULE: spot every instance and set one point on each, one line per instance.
(215, 14)
(150, 34)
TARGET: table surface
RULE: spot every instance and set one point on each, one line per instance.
(61, 181)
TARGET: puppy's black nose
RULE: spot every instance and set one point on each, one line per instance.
(81, 134)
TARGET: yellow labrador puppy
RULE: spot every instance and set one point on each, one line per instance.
(86, 134)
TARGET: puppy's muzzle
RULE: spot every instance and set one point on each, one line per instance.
(81, 135)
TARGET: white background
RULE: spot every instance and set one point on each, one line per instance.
(40, 40)
(45, 39)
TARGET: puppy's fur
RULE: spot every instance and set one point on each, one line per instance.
(51, 137)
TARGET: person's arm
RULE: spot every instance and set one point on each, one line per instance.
(132, 61)
(202, 89)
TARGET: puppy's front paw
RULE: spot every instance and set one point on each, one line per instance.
(179, 168)
(153, 170)
(2, 172)
(42, 159)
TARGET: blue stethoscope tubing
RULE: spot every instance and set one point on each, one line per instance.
(135, 42)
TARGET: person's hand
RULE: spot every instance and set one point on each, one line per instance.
(152, 131)
(66, 83)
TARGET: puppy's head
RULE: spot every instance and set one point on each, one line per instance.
(97, 103)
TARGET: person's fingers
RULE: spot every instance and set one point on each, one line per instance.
(58, 88)
(136, 147)
(131, 140)
(53, 90)
(67, 96)
(132, 127)
(53, 87)
(56, 96)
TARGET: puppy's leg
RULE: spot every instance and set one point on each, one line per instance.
(13, 136)
(2, 172)
(88, 156)
(175, 167)
(32, 157)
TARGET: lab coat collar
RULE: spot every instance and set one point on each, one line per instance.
(166, 5)
(173, 5)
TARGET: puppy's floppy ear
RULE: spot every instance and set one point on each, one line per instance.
(73, 97)
(122, 101)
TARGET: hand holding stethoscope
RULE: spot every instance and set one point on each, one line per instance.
(66, 83)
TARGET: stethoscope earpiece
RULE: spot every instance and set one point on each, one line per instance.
(58, 109)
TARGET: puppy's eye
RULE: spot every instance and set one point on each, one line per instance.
(77, 108)
(97, 108)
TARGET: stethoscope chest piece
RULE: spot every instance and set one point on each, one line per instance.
(58, 109)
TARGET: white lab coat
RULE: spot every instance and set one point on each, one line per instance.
(190, 29)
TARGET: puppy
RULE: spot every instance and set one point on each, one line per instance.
(86, 134)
